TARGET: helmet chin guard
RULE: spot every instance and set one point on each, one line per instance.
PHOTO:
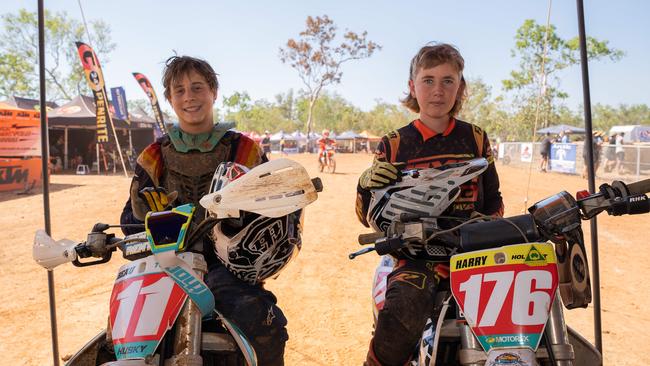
(273, 189)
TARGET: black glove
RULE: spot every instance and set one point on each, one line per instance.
(157, 198)
(381, 174)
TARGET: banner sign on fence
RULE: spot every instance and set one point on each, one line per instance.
(526, 152)
(563, 158)
(20, 174)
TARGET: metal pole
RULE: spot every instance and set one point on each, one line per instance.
(590, 171)
(65, 143)
(45, 157)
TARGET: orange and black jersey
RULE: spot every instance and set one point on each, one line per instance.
(420, 147)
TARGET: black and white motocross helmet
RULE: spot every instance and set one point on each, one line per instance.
(422, 192)
(251, 245)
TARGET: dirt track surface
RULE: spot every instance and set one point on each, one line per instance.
(325, 296)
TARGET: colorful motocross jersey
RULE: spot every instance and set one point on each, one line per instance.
(420, 147)
(187, 173)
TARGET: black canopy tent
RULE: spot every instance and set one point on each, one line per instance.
(28, 103)
(72, 127)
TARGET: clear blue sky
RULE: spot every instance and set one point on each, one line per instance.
(241, 40)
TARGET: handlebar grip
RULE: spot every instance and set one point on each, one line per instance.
(370, 238)
(640, 187)
(492, 234)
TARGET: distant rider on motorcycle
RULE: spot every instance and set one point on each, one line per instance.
(436, 92)
(326, 145)
(178, 169)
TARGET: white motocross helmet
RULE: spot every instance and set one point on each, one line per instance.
(425, 192)
(422, 192)
(262, 212)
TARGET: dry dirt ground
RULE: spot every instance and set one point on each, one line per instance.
(325, 296)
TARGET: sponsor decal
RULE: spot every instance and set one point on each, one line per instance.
(471, 262)
(508, 359)
(124, 272)
(189, 283)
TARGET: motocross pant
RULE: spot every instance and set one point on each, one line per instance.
(255, 312)
(409, 303)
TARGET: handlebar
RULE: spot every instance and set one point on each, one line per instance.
(553, 216)
(640, 187)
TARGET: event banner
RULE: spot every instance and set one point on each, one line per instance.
(20, 133)
(563, 158)
(148, 89)
(119, 104)
(95, 79)
(21, 173)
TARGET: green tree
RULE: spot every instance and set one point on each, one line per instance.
(483, 110)
(530, 41)
(605, 116)
(64, 74)
(318, 62)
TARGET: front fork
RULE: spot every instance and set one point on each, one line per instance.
(187, 338)
(471, 353)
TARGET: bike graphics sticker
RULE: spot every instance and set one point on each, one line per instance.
(145, 303)
(506, 293)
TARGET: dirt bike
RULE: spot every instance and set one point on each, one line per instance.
(161, 311)
(326, 160)
(509, 277)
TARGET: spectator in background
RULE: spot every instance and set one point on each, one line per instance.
(564, 137)
(282, 143)
(620, 153)
(265, 144)
(545, 151)
(610, 154)
(597, 142)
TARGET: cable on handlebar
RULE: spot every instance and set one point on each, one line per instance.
(477, 219)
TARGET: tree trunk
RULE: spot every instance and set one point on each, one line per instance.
(312, 102)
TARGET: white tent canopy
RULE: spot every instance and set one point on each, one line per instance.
(633, 133)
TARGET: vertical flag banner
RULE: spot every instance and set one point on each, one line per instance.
(95, 79)
(119, 103)
(155, 106)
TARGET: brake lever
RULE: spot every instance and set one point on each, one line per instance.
(360, 252)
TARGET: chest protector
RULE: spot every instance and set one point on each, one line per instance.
(190, 173)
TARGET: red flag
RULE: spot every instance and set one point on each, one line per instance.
(155, 106)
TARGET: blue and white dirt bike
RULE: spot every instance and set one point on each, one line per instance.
(161, 311)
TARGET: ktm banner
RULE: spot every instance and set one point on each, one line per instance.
(20, 133)
(19, 173)
(95, 79)
(148, 89)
